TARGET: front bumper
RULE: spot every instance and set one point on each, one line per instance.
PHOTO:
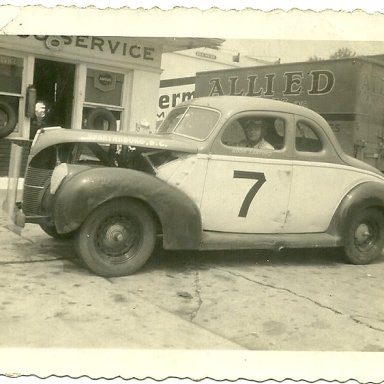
(14, 217)
(18, 215)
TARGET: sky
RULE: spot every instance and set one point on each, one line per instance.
(296, 50)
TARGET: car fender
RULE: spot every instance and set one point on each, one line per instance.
(365, 195)
(82, 192)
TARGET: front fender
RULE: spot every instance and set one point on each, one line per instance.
(366, 195)
(84, 191)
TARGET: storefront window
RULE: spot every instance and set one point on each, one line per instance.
(103, 98)
(104, 87)
(11, 74)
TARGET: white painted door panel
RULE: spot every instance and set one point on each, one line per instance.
(246, 194)
(317, 190)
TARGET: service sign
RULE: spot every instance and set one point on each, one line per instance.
(117, 49)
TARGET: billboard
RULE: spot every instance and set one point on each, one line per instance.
(324, 86)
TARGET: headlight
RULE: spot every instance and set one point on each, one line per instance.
(57, 176)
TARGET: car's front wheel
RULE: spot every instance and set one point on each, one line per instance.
(51, 231)
(117, 238)
(364, 240)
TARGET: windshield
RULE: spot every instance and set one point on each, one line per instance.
(193, 122)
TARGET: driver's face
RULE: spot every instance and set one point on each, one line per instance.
(254, 133)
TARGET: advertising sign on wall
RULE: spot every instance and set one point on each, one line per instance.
(173, 92)
(118, 49)
(311, 84)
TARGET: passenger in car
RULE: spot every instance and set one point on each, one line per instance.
(255, 131)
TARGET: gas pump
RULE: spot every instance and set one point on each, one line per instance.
(48, 102)
(17, 145)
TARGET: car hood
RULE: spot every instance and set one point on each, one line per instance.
(46, 137)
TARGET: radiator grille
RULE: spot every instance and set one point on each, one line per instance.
(34, 183)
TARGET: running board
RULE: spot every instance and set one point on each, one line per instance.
(225, 240)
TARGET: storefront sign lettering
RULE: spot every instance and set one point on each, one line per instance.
(167, 101)
(206, 55)
(127, 140)
(10, 60)
(105, 81)
(55, 43)
(101, 44)
(320, 82)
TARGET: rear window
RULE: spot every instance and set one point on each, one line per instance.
(307, 140)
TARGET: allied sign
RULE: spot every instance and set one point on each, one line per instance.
(311, 84)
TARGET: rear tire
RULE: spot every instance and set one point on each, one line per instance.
(364, 240)
(117, 238)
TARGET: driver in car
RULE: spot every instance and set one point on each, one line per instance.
(254, 131)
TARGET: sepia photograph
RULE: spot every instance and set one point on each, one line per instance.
(206, 197)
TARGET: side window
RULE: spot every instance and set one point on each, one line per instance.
(102, 106)
(267, 133)
(306, 139)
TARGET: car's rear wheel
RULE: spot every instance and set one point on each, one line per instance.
(117, 238)
(364, 240)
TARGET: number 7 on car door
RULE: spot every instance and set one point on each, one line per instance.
(248, 195)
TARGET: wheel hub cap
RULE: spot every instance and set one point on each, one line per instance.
(117, 236)
(116, 233)
(363, 235)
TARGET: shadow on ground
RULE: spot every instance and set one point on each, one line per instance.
(177, 260)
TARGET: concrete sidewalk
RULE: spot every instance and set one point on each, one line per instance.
(300, 299)
(50, 300)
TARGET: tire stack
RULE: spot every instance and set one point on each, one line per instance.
(8, 119)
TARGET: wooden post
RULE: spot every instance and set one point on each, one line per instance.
(9, 205)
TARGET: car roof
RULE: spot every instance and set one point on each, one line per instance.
(234, 104)
(231, 105)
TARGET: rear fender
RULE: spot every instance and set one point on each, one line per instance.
(366, 195)
(84, 191)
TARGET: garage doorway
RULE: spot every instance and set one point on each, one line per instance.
(54, 83)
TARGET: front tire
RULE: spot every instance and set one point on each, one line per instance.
(364, 240)
(117, 238)
(51, 231)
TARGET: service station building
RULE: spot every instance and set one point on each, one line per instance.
(108, 83)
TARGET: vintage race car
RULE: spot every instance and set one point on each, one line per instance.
(201, 183)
